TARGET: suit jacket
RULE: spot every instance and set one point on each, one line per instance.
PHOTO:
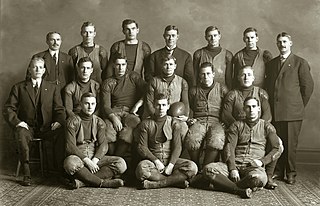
(21, 104)
(289, 87)
(184, 64)
(65, 66)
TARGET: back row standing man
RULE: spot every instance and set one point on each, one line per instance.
(59, 66)
(88, 48)
(219, 57)
(136, 52)
(252, 56)
(183, 59)
(290, 86)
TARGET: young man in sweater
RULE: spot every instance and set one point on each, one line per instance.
(245, 147)
(252, 56)
(136, 51)
(86, 146)
(88, 48)
(83, 84)
(206, 134)
(221, 58)
(159, 145)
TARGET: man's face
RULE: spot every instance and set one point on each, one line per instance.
(37, 69)
(206, 76)
(54, 41)
(131, 31)
(213, 38)
(161, 107)
(284, 44)
(120, 67)
(246, 77)
(171, 37)
(85, 70)
(88, 105)
(168, 67)
(252, 109)
(251, 39)
(88, 33)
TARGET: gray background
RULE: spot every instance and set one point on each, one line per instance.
(24, 25)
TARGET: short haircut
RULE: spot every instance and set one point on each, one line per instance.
(211, 28)
(86, 24)
(36, 59)
(206, 64)
(129, 21)
(119, 56)
(87, 94)
(171, 27)
(284, 34)
(244, 67)
(160, 96)
(84, 59)
(50, 33)
(169, 57)
(249, 98)
(250, 29)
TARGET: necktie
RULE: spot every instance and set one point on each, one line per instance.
(282, 60)
(36, 88)
(55, 58)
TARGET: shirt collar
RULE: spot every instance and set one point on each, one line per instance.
(171, 49)
(285, 56)
(35, 82)
(54, 52)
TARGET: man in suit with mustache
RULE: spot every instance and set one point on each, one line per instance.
(34, 109)
(289, 85)
(59, 65)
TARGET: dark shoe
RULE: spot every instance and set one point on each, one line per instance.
(26, 181)
(291, 179)
(271, 185)
(246, 193)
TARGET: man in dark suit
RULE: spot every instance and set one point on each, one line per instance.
(289, 85)
(34, 109)
(59, 65)
(183, 58)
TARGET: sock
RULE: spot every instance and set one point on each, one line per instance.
(114, 183)
(211, 155)
(87, 177)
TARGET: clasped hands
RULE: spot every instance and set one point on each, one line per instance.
(162, 169)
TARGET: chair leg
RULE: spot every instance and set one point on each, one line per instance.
(18, 168)
(41, 157)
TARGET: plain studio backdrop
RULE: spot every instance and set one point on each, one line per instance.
(24, 25)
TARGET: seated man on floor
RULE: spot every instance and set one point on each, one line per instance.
(159, 145)
(34, 110)
(233, 109)
(174, 86)
(83, 84)
(246, 144)
(206, 134)
(87, 145)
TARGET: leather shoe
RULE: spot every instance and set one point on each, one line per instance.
(271, 185)
(291, 179)
(26, 181)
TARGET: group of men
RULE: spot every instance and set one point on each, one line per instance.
(108, 119)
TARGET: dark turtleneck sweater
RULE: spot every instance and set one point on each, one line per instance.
(86, 121)
(160, 137)
(213, 51)
(84, 86)
(206, 89)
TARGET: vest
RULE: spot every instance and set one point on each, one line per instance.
(173, 89)
(208, 106)
(219, 63)
(251, 142)
(258, 67)
(94, 56)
